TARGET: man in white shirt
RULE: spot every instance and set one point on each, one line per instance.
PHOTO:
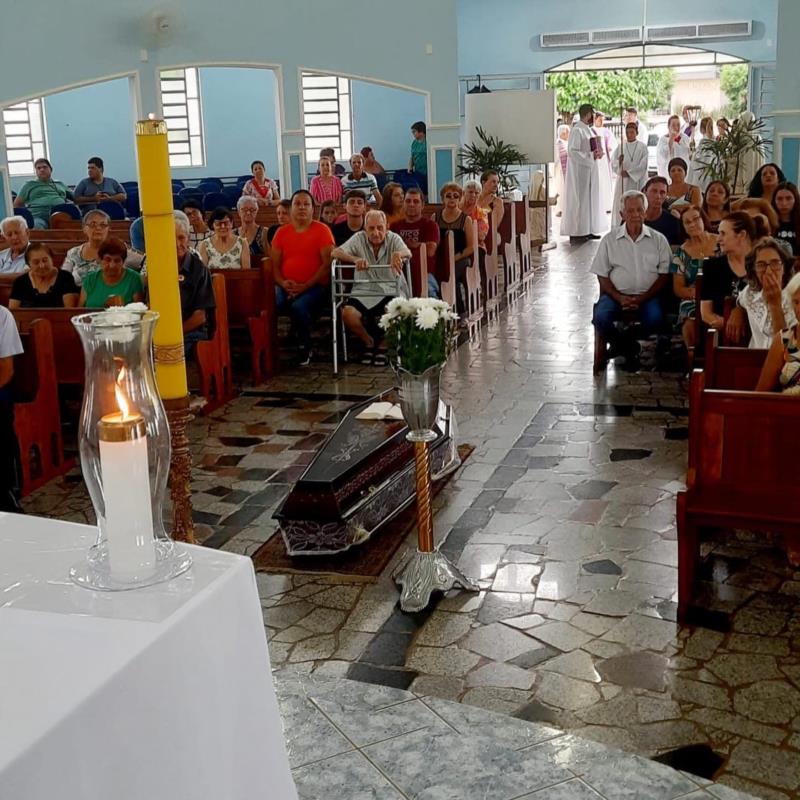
(15, 232)
(10, 346)
(632, 266)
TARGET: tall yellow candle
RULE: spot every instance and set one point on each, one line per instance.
(155, 196)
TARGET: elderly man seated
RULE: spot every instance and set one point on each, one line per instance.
(378, 256)
(196, 291)
(632, 265)
(15, 232)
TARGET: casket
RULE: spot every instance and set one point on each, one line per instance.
(360, 478)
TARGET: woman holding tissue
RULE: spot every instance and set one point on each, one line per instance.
(629, 162)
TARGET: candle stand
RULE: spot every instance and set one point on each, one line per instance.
(125, 454)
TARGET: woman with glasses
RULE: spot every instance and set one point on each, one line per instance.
(769, 309)
(224, 249)
(84, 258)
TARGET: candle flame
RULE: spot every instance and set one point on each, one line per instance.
(122, 400)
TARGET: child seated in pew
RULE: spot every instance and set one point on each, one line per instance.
(781, 371)
(327, 213)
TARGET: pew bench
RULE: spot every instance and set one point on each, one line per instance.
(67, 346)
(214, 355)
(731, 367)
(743, 449)
(37, 418)
(251, 310)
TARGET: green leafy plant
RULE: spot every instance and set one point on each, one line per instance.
(420, 333)
(733, 82)
(608, 91)
(721, 159)
(492, 154)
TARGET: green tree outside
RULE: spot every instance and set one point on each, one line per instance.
(608, 91)
(733, 81)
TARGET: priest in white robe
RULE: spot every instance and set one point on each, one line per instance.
(584, 212)
(629, 162)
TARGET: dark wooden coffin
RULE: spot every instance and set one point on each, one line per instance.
(361, 477)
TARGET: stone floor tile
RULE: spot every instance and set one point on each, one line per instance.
(638, 631)
(447, 661)
(561, 635)
(346, 775)
(577, 664)
(503, 675)
(765, 764)
(564, 692)
(520, 578)
(443, 628)
(498, 642)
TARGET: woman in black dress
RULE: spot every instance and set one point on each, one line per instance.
(43, 285)
(726, 275)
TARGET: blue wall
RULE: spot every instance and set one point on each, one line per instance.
(514, 45)
(94, 120)
(382, 120)
(239, 119)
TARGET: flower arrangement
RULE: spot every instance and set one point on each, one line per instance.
(420, 333)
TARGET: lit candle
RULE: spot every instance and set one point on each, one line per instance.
(126, 489)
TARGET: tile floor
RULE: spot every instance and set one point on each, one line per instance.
(565, 515)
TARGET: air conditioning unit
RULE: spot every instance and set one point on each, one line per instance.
(619, 36)
(565, 39)
(709, 30)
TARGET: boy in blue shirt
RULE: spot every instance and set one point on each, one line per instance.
(418, 163)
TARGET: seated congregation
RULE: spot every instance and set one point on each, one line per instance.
(706, 262)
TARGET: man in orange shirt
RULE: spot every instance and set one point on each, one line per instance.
(301, 258)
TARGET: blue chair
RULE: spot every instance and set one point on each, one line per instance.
(214, 199)
(67, 208)
(210, 185)
(132, 204)
(137, 234)
(25, 214)
(190, 191)
(232, 195)
(128, 185)
(177, 185)
(112, 208)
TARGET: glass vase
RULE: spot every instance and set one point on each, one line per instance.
(125, 454)
(419, 401)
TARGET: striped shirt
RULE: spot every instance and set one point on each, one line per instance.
(366, 183)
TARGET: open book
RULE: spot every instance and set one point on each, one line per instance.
(381, 411)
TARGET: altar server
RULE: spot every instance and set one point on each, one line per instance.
(629, 162)
(584, 213)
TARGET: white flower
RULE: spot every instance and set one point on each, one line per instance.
(386, 321)
(427, 318)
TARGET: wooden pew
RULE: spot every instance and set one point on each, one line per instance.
(37, 419)
(492, 267)
(6, 282)
(742, 462)
(447, 286)
(507, 231)
(731, 367)
(251, 308)
(66, 342)
(214, 355)
(474, 307)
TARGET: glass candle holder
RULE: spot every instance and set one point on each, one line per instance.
(125, 454)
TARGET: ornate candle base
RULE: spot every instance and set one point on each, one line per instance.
(423, 573)
(95, 572)
(180, 470)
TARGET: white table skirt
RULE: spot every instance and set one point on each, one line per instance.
(163, 693)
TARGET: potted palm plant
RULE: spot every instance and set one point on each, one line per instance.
(491, 154)
(724, 159)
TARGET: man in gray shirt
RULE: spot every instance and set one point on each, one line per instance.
(378, 256)
(97, 187)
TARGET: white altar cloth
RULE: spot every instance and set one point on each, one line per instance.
(162, 693)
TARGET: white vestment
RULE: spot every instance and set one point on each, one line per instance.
(695, 176)
(584, 211)
(634, 162)
(642, 134)
(668, 149)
